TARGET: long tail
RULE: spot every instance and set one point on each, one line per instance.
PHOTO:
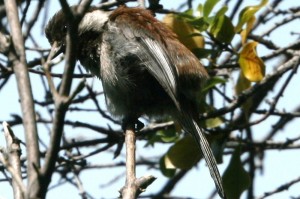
(190, 125)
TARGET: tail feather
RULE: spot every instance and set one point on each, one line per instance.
(190, 125)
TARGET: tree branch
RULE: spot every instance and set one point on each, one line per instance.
(130, 189)
(280, 189)
(14, 164)
(61, 99)
(24, 87)
(133, 186)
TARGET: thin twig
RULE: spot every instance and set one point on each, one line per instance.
(280, 189)
(290, 64)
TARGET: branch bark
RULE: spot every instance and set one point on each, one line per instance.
(130, 189)
(13, 164)
(62, 98)
(17, 56)
(133, 186)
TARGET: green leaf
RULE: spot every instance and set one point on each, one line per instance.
(212, 82)
(165, 171)
(167, 136)
(222, 11)
(211, 122)
(222, 29)
(242, 84)
(214, 122)
(247, 13)
(187, 15)
(235, 178)
(199, 23)
(208, 7)
(217, 146)
(189, 12)
(200, 9)
(203, 53)
(184, 154)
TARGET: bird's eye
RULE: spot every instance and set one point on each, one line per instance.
(65, 29)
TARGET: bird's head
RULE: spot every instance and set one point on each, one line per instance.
(57, 28)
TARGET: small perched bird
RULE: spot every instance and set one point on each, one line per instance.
(144, 69)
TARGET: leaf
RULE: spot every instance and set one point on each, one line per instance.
(222, 11)
(187, 34)
(167, 136)
(252, 66)
(242, 84)
(217, 147)
(247, 13)
(212, 82)
(235, 178)
(200, 9)
(203, 53)
(168, 172)
(211, 122)
(184, 154)
(200, 24)
(222, 29)
(208, 7)
(214, 122)
(245, 32)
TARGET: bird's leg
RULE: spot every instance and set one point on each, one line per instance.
(133, 123)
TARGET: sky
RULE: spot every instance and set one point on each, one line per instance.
(279, 166)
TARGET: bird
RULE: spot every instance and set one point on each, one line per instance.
(145, 70)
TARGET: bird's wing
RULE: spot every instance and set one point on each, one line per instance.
(159, 65)
(135, 27)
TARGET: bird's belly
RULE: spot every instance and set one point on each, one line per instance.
(136, 96)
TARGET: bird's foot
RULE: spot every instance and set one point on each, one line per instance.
(135, 124)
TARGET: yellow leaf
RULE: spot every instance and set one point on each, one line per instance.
(247, 13)
(245, 32)
(184, 32)
(252, 66)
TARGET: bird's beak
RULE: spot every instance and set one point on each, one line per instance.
(56, 49)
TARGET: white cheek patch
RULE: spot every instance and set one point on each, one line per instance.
(93, 21)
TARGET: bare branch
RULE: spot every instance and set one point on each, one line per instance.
(280, 189)
(130, 189)
(13, 164)
(20, 69)
(133, 186)
(62, 99)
